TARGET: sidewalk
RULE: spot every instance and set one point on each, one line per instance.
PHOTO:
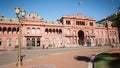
(60, 60)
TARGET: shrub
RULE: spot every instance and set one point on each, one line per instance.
(50, 45)
(16, 46)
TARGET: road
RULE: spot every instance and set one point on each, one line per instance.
(9, 57)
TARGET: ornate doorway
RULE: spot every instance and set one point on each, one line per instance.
(81, 37)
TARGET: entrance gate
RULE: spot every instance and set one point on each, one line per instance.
(81, 37)
(33, 42)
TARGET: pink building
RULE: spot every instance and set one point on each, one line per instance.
(69, 31)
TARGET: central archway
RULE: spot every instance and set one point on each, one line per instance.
(80, 37)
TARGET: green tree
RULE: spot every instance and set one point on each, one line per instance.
(116, 21)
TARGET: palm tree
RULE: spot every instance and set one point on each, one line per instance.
(116, 21)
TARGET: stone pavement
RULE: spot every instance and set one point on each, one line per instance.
(73, 59)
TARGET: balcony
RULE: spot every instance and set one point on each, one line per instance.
(35, 35)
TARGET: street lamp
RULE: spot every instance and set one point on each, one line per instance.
(112, 34)
(20, 13)
(89, 40)
(106, 25)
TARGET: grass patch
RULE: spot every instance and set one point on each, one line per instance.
(102, 60)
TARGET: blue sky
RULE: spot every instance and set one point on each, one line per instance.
(55, 9)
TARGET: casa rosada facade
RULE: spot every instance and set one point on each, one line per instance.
(69, 31)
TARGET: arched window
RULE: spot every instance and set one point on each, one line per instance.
(16, 41)
(74, 32)
(17, 30)
(9, 31)
(28, 31)
(9, 41)
(97, 41)
(68, 40)
(74, 42)
(46, 31)
(90, 32)
(112, 33)
(60, 31)
(106, 40)
(57, 30)
(50, 30)
(38, 31)
(33, 30)
(68, 32)
(14, 30)
(54, 41)
(53, 30)
(4, 29)
(1, 30)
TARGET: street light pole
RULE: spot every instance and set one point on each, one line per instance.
(20, 15)
(89, 41)
(106, 25)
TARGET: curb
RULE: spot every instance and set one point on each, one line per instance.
(90, 63)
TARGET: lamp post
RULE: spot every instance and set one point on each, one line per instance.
(106, 25)
(20, 15)
(112, 34)
(89, 40)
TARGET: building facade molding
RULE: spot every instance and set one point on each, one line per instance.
(69, 31)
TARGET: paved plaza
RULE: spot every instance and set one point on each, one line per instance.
(57, 58)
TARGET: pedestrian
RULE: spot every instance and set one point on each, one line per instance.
(21, 59)
(43, 46)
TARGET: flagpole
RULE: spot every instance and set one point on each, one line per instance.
(79, 3)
